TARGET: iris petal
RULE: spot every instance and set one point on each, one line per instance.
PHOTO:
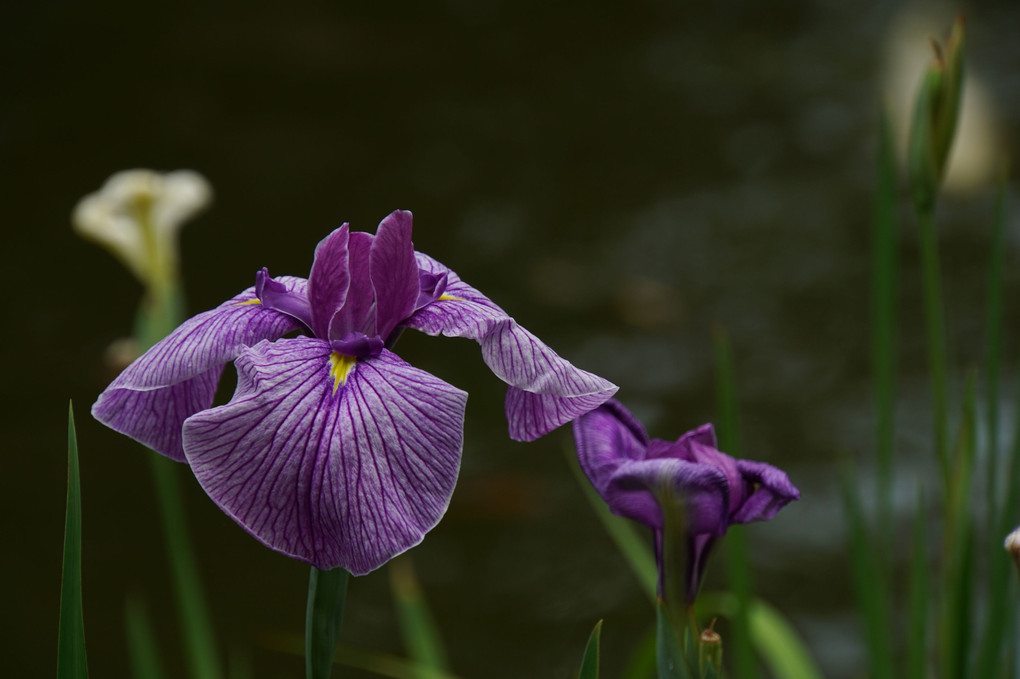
(771, 492)
(177, 377)
(350, 478)
(545, 390)
(394, 272)
(329, 279)
(605, 438)
(632, 490)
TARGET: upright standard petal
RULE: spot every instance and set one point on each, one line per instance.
(177, 377)
(329, 279)
(334, 467)
(545, 390)
(358, 312)
(394, 272)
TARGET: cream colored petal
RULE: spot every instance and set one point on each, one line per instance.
(98, 219)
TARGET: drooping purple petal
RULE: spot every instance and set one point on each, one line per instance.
(394, 272)
(347, 478)
(708, 454)
(358, 312)
(771, 492)
(177, 377)
(329, 280)
(605, 437)
(545, 390)
(636, 489)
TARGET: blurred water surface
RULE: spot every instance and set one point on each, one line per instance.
(622, 177)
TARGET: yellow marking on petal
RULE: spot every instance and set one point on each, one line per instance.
(250, 301)
(449, 298)
(340, 367)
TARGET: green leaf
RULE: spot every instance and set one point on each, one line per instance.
(870, 588)
(883, 318)
(641, 664)
(623, 532)
(671, 661)
(590, 662)
(71, 661)
(738, 571)
(142, 649)
(327, 594)
(920, 594)
(196, 628)
(421, 636)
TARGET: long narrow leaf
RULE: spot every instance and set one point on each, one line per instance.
(739, 645)
(327, 595)
(671, 661)
(920, 593)
(421, 636)
(196, 628)
(993, 349)
(142, 650)
(883, 317)
(71, 661)
(870, 588)
(590, 661)
(623, 532)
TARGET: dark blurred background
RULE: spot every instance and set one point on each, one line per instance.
(621, 177)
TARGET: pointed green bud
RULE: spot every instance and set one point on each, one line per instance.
(936, 110)
(710, 651)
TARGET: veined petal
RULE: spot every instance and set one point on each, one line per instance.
(605, 438)
(358, 312)
(329, 279)
(771, 491)
(394, 272)
(545, 389)
(177, 377)
(348, 478)
(635, 488)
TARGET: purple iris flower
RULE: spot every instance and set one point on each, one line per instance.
(635, 475)
(332, 449)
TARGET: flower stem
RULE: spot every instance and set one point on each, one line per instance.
(935, 325)
(327, 595)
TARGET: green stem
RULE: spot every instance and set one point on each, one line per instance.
(197, 630)
(327, 596)
(936, 331)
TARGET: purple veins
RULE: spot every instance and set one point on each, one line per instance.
(333, 450)
(636, 476)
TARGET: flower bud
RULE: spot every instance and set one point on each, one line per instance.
(936, 110)
(1012, 545)
(710, 650)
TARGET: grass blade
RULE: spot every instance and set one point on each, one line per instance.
(623, 532)
(590, 662)
(870, 587)
(883, 317)
(739, 574)
(71, 661)
(142, 650)
(920, 594)
(327, 595)
(993, 349)
(421, 636)
(196, 628)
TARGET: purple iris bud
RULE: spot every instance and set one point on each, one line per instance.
(333, 450)
(636, 476)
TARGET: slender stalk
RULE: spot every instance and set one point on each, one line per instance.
(883, 321)
(935, 325)
(327, 597)
(195, 619)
